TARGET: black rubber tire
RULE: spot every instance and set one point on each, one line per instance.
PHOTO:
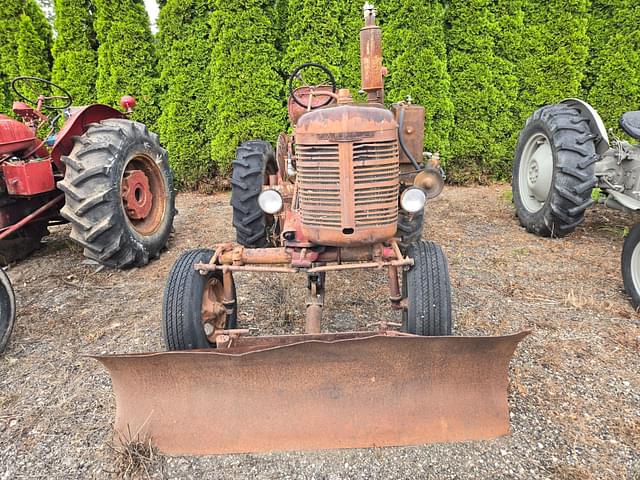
(427, 288)
(574, 157)
(255, 160)
(181, 306)
(22, 243)
(410, 228)
(631, 242)
(92, 187)
(7, 310)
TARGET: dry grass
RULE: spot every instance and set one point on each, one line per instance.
(136, 459)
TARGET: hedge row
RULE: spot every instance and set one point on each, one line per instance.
(214, 74)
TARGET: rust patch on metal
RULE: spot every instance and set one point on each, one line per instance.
(143, 194)
(348, 393)
(136, 194)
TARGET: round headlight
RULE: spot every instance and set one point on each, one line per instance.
(270, 202)
(413, 200)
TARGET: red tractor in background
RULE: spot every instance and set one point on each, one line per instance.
(105, 174)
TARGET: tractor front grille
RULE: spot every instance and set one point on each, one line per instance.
(375, 178)
(368, 183)
(318, 169)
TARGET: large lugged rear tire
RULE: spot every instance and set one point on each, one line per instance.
(182, 305)
(255, 161)
(427, 289)
(630, 263)
(119, 194)
(553, 171)
(7, 310)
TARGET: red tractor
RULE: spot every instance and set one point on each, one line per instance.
(105, 174)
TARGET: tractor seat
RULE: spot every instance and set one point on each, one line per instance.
(630, 123)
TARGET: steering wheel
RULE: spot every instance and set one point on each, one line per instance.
(312, 71)
(41, 93)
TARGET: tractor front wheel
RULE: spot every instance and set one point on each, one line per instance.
(631, 265)
(427, 290)
(7, 309)
(119, 194)
(410, 226)
(553, 171)
(192, 308)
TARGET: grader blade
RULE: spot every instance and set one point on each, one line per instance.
(295, 393)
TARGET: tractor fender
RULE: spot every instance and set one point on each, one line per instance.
(595, 121)
(76, 125)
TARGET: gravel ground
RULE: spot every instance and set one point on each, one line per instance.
(575, 382)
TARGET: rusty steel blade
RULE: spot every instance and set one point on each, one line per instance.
(346, 393)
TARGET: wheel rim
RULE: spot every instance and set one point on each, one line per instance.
(635, 268)
(213, 313)
(536, 172)
(143, 194)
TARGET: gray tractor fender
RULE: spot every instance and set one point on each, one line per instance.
(595, 121)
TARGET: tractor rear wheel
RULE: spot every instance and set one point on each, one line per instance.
(255, 161)
(630, 261)
(7, 310)
(553, 171)
(119, 194)
(192, 304)
(427, 290)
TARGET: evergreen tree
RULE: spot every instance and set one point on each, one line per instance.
(508, 35)
(5, 96)
(11, 21)
(10, 10)
(184, 71)
(246, 92)
(616, 88)
(556, 45)
(42, 27)
(75, 59)
(31, 50)
(315, 33)
(602, 24)
(126, 57)
(481, 83)
(415, 52)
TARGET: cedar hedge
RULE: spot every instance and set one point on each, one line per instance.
(213, 76)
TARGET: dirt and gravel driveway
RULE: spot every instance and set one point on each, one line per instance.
(575, 383)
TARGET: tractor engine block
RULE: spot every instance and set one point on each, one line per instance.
(347, 160)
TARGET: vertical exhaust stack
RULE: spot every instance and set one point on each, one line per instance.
(371, 70)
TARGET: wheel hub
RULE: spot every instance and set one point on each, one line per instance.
(536, 172)
(136, 194)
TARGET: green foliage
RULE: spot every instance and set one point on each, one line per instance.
(184, 71)
(481, 87)
(42, 27)
(14, 28)
(246, 93)
(480, 67)
(31, 50)
(556, 46)
(126, 57)
(75, 59)
(315, 33)
(616, 88)
(416, 56)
